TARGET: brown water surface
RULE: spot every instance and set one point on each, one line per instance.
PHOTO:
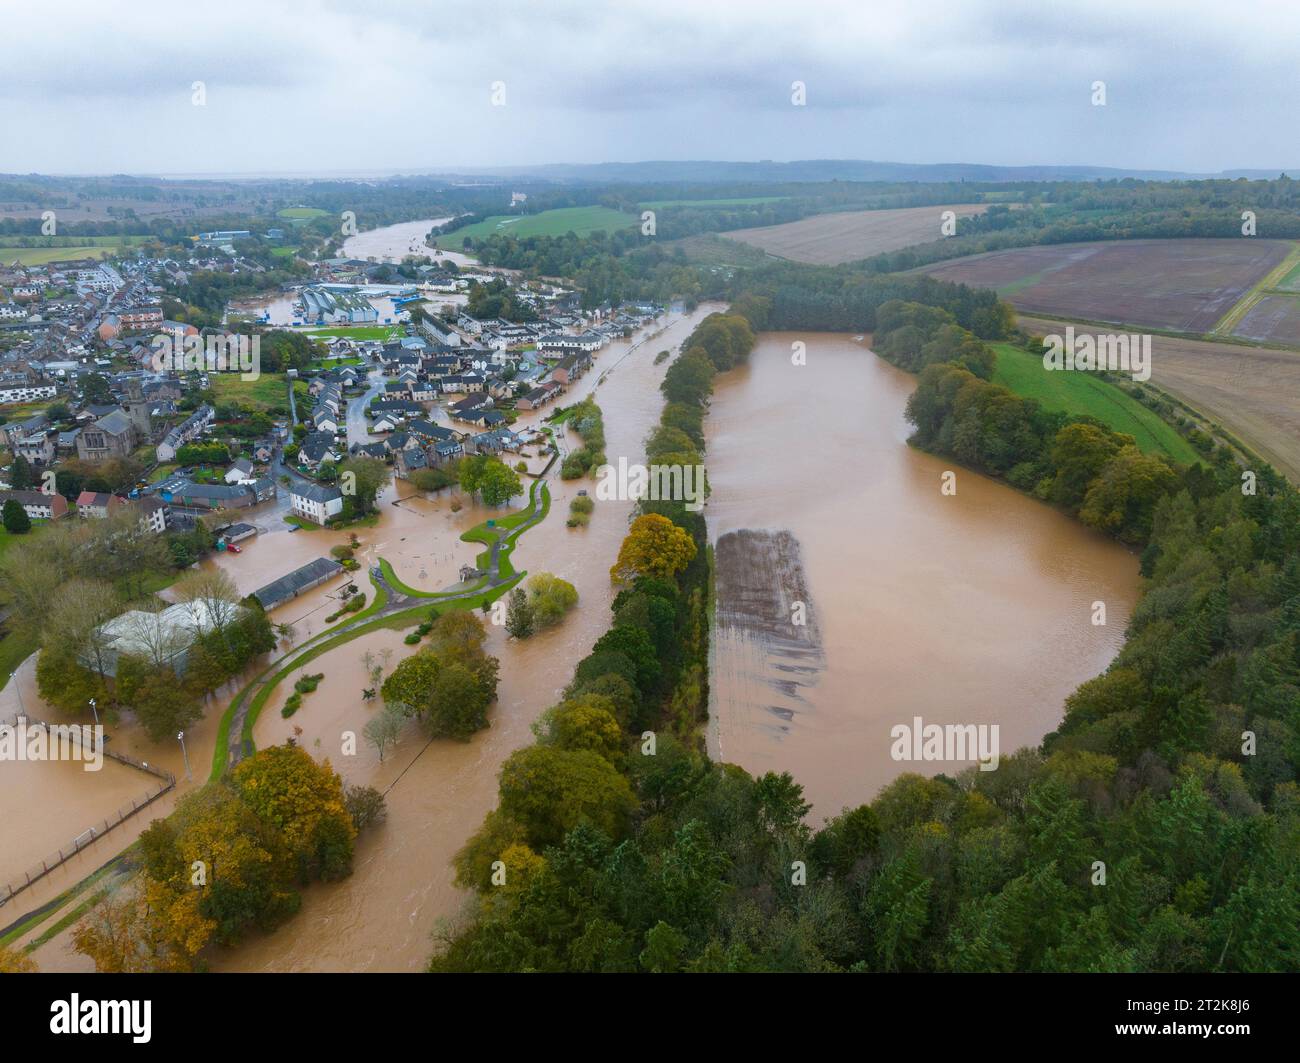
(973, 608)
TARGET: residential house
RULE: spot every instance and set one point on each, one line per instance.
(37, 504)
(316, 448)
(154, 513)
(38, 448)
(240, 472)
(315, 502)
(571, 367)
(97, 505)
(190, 429)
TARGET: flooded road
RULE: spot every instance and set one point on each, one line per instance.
(437, 793)
(974, 608)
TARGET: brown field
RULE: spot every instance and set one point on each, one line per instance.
(1182, 285)
(1274, 319)
(1250, 391)
(829, 239)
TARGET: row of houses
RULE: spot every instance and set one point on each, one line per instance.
(90, 505)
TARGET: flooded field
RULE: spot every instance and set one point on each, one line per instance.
(965, 609)
(392, 243)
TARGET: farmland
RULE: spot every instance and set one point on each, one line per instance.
(42, 256)
(1086, 393)
(579, 220)
(1274, 318)
(749, 202)
(829, 239)
(1250, 391)
(1179, 285)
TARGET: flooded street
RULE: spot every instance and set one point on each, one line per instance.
(973, 608)
(382, 917)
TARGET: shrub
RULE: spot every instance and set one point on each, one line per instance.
(307, 683)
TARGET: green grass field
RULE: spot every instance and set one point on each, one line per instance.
(580, 220)
(656, 204)
(69, 241)
(359, 332)
(265, 393)
(42, 256)
(284, 252)
(1086, 393)
(301, 213)
(1291, 282)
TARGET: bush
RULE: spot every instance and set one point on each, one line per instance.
(411, 639)
(307, 683)
(291, 705)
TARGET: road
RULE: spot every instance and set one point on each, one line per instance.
(395, 602)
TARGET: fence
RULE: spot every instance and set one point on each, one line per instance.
(91, 834)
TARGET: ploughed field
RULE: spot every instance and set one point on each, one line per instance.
(829, 239)
(1274, 319)
(1253, 392)
(1179, 285)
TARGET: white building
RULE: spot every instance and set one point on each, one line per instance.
(316, 502)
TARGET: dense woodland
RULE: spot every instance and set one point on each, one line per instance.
(1173, 774)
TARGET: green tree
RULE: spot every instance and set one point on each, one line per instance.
(549, 791)
(520, 620)
(15, 518)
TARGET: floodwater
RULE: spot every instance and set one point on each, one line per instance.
(973, 608)
(392, 243)
(382, 917)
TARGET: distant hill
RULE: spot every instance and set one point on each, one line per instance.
(840, 170)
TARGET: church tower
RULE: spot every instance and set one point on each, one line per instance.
(137, 408)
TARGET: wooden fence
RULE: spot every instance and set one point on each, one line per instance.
(91, 834)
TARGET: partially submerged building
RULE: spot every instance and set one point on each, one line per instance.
(297, 582)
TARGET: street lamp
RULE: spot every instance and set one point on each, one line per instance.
(13, 676)
(95, 711)
(180, 737)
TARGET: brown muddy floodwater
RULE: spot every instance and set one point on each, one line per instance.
(973, 608)
(437, 793)
(382, 917)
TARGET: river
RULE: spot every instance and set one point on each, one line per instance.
(968, 608)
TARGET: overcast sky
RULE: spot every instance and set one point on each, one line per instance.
(298, 86)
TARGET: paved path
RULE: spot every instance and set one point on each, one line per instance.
(395, 602)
